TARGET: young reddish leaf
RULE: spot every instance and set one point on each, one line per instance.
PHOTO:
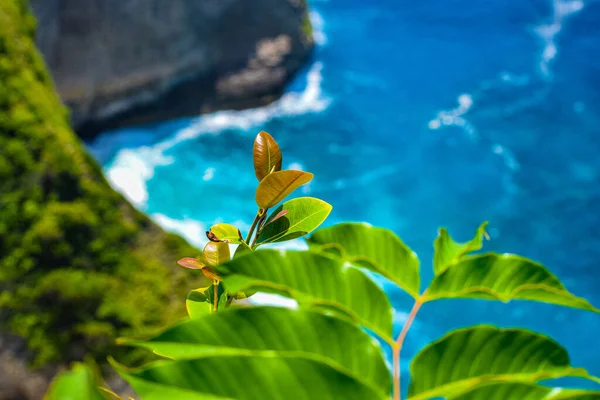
(211, 274)
(191, 263)
(267, 155)
(276, 217)
(278, 185)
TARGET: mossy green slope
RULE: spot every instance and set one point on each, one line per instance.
(78, 264)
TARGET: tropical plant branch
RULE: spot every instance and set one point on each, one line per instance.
(259, 228)
(251, 231)
(216, 301)
(400, 341)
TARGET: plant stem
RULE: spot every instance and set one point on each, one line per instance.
(398, 347)
(216, 285)
(261, 222)
(258, 216)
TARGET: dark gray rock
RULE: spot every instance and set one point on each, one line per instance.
(119, 62)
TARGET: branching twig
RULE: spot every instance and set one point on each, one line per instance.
(398, 347)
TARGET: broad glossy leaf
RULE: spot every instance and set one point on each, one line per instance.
(197, 303)
(447, 251)
(313, 280)
(466, 359)
(525, 391)
(241, 249)
(261, 330)
(267, 155)
(245, 378)
(216, 253)
(377, 249)
(79, 383)
(278, 185)
(304, 215)
(227, 233)
(502, 277)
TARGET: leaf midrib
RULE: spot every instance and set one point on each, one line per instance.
(471, 383)
(233, 351)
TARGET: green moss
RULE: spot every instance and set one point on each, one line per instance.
(78, 264)
(306, 26)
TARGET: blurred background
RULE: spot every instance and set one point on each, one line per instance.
(412, 116)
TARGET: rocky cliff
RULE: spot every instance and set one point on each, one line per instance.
(79, 265)
(120, 62)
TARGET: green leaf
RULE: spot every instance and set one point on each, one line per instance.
(504, 391)
(267, 155)
(278, 185)
(447, 251)
(225, 232)
(376, 249)
(304, 215)
(574, 394)
(262, 330)
(197, 303)
(79, 383)
(502, 277)
(466, 359)
(221, 305)
(243, 248)
(525, 391)
(313, 280)
(245, 378)
(216, 253)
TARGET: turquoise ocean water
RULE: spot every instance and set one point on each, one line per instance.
(415, 115)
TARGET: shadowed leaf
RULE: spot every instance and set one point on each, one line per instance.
(197, 303)
(261, 330)
(242, 249)
(469, 358)
(277, 216)
(245, 378)
(304, 215)
(525, 391)
(278, 185)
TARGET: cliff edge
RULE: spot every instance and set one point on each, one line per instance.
(79, 265)
(134, 61)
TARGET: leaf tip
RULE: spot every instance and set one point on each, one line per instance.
(191, 263)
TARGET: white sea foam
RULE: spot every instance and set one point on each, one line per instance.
(454, 116)
(548, 32)
(318, 25)
(193, 231)
(268, 299)
(133, 168)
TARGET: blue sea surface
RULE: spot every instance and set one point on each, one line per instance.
(416, 115)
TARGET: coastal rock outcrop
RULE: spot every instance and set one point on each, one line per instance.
(79, 265)
(119, 62)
